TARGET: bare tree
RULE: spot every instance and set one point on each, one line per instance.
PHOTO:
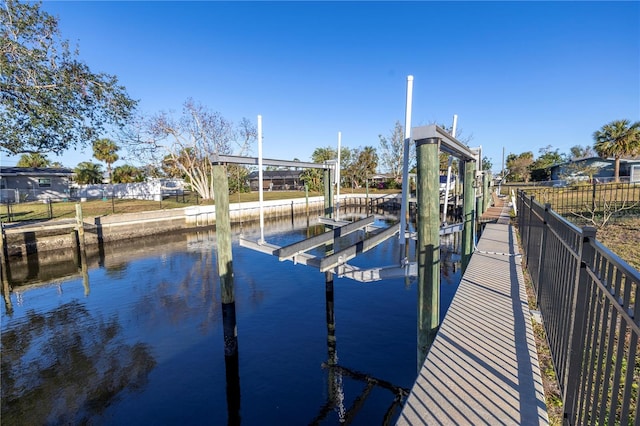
(362, 165)
(392, 151)
(579, 152)
(599, 214)
(191, 142)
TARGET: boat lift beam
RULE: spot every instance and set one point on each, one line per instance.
(337, 263)
(254, 161)
(294, 249)
(343, 256)
(448, 143)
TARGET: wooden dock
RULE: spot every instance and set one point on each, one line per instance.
(483, 366)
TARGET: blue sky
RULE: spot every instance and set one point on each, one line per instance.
(519, 75)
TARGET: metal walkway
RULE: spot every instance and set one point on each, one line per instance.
(483, 365)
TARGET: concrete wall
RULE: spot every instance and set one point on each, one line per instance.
(60, 235)
(150, 190)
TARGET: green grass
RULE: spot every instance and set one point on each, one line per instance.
(95, 208)
(621, 237)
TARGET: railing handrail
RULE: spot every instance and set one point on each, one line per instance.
(585, 293)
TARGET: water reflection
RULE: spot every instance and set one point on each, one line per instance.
(231, 362)
(67, 366)
(336, 373)
(153, 342)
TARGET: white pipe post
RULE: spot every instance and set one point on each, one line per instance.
(455, 124)
(260, 185)
(338, 178)
(405, 163)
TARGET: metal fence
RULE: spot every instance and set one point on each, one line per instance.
(47, 209)
(591, 200)
(588, 300)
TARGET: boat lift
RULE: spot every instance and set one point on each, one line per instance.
(336, 263)
(429, 141)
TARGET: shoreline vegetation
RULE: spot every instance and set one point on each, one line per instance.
(618, 235)
(107, 206)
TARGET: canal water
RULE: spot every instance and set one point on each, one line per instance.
(139, 339)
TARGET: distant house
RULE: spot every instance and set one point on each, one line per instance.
(592, 168)
(21, 184)
(277, 180)
(380, 178)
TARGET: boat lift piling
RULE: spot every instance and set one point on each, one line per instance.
(225, 257)
(469, 170)
(428, 248)
(430, 141)
(4, 269)
(81, 249)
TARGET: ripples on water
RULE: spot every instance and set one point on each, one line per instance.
(141, 340)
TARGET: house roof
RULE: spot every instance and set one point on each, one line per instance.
(35, 171)
(381, 176)
(630, 160)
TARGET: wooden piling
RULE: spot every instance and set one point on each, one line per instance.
(468, 206)
(227, 291)
(306, 197)
(332, 354)
(486, 177)
(231, 363)
(80, 227)
(227, 288)
(478, 214)
(428, 250)
(82, 249)
(223, 233)
(479, 200)
(4, 271)
(328, 193)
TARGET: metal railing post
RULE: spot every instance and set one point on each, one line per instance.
(519, 206)
(543, 252)
(577, 327)
(531, 200)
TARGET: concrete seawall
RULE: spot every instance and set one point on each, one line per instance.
(60, 235)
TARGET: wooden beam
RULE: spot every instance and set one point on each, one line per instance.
(313, 242)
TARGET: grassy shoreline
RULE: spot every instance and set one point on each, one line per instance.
(620, 235)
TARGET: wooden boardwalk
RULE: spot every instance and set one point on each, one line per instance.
(483, 365)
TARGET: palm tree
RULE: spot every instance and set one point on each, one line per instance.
(127, 174)
(33, 159)
(617, 139)
(105, 150)
(88, 172)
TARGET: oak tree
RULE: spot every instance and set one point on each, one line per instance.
(50, 100)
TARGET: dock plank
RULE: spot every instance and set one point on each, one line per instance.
(483, 365)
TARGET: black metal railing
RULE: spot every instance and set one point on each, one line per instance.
(587, 297)
(591, 199)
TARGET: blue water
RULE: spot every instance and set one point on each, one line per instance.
(142, 342)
